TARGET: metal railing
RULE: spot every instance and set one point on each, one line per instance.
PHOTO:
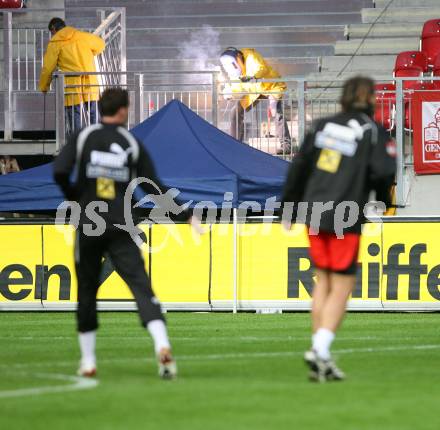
(197, 90)
(27, 57)
(302, 104)
(114, 58)
(23, 52)
(149, 92)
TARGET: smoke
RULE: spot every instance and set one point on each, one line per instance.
(203, 47)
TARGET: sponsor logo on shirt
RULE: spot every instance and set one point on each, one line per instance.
(338, 138)
(111, 165)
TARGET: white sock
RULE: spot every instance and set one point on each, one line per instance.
(158, 332)
(87, 343)
(322, 341)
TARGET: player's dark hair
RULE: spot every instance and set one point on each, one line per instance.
(111, 100)
(56, 24)
(357, 93)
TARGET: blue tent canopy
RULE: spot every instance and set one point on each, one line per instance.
(190, 154)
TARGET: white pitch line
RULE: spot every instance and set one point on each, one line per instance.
(78, 383)
(240, 355)
(143, 338)
(300, 353)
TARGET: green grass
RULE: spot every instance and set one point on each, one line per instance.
(240, 371)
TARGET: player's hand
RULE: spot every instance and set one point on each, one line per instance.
(196, 225)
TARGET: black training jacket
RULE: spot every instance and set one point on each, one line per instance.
(98, 163)
(343, 158)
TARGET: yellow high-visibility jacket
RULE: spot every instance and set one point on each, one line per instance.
(71, 50)
(255, 66)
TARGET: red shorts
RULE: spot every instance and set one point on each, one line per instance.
(335, 255)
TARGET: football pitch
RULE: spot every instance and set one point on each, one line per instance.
(240, 371)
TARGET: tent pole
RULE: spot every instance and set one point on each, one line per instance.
(235, 261)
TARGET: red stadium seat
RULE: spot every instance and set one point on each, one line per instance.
(430, 43)
(410, 64)
(11, 4)
(411, 60)
(385, 105)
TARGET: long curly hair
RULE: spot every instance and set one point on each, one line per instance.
(357, 94)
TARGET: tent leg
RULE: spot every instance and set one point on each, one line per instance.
(235, 262)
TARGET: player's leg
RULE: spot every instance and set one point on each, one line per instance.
(342, 259)
(129, 264)
(88, 254)
(320, 293)
(319, 256)
(334, 309)
(332, 314)
(343, 263)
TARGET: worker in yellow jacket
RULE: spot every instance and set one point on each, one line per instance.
(71, 50)
(248, 66)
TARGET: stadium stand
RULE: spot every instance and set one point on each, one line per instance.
(293, 34)
(322, 40)
(372, 45)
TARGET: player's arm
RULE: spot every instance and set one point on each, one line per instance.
(297, 177)
(382, 167)
(63, 166)
(299, 172)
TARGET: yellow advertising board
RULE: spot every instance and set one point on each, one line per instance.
(411, 263)
(266, 256)
(21, 264)
(399, 267)
(180, 264)
(190, 268)
(58, 257)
